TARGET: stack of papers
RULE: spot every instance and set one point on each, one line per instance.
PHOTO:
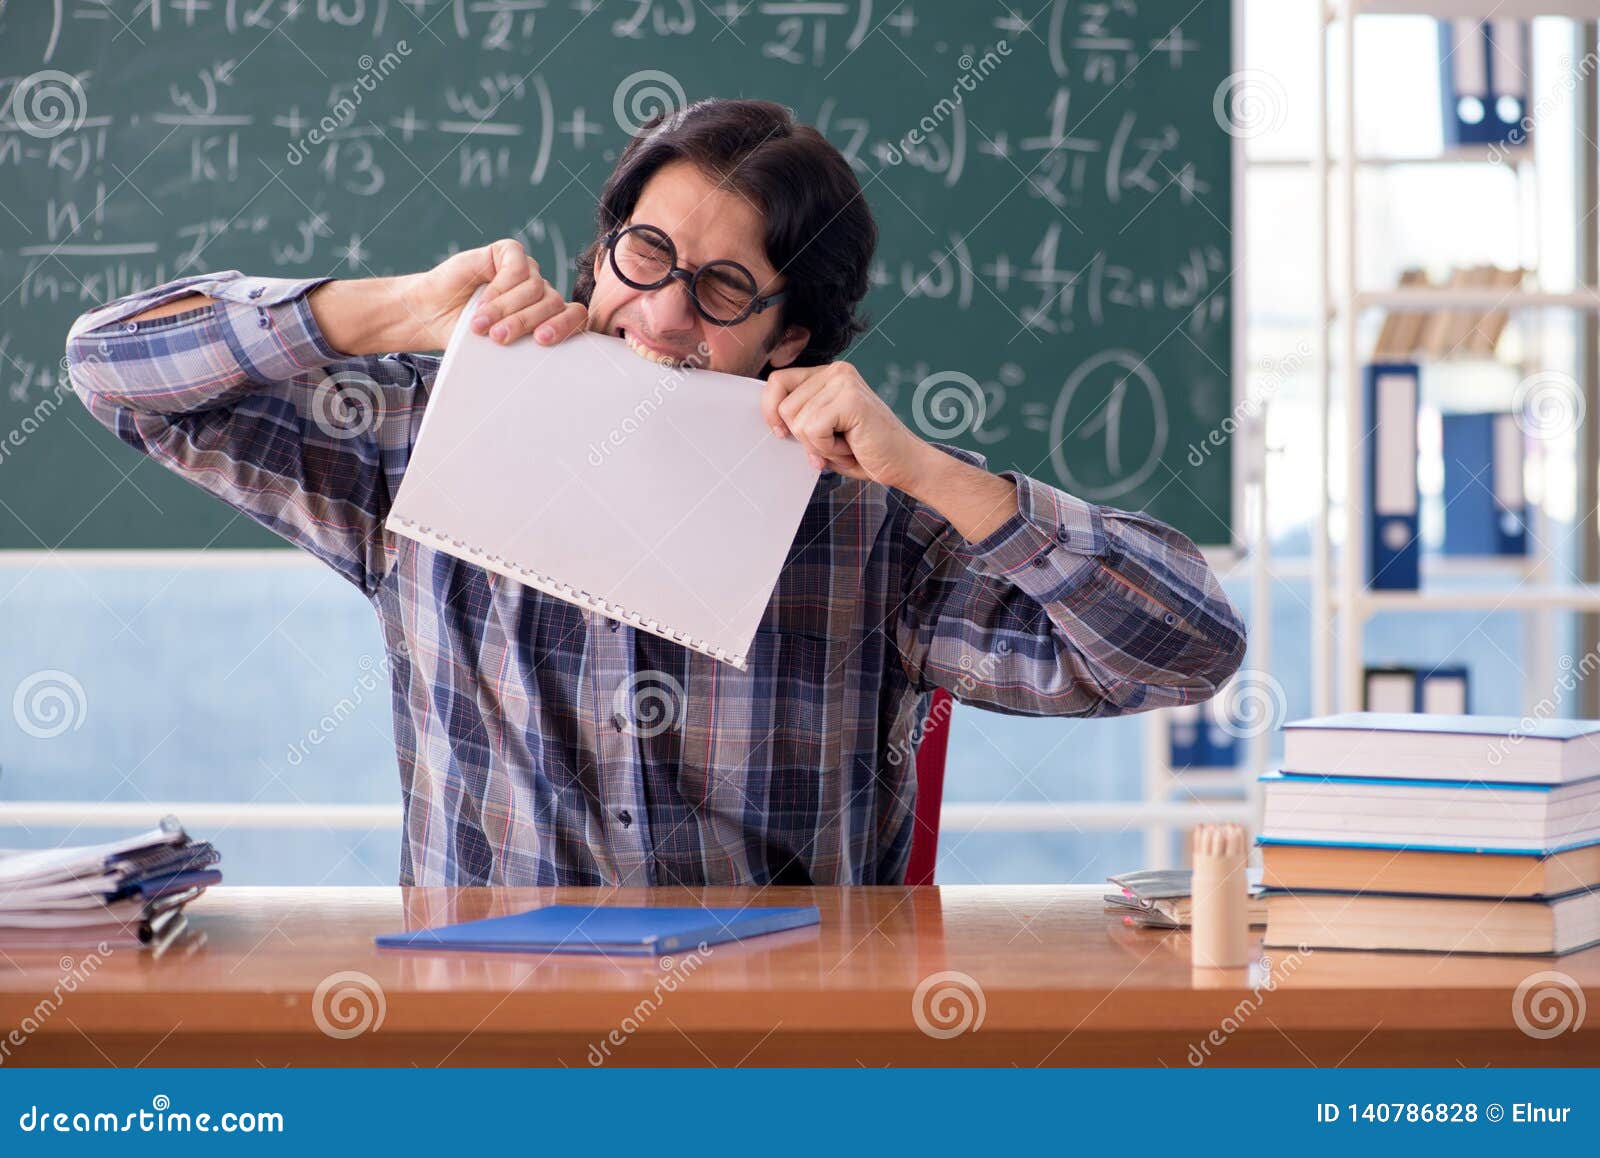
(128, 893)
(1161, 898)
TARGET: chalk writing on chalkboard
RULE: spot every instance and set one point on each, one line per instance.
(1052, 188)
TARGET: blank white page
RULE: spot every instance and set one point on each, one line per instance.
(654, 495)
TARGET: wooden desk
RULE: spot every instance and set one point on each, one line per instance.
(1062, 983)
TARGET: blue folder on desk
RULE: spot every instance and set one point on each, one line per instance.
(616, 929)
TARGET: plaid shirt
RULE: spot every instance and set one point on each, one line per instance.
(542, 744)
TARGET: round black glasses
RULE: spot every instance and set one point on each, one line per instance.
(724, 293)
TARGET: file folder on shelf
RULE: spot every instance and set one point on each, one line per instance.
(1483, 71)
(1485, 510)
(1440, 690)
(1186, 732)
(1389, 688)
(1443, 691)
(1393, 550)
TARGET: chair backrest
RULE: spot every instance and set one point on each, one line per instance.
(930, 789)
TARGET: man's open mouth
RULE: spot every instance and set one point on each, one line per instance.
(649, 353)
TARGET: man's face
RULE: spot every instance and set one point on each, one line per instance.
(706, 222)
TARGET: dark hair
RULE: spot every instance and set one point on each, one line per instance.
(819, 232)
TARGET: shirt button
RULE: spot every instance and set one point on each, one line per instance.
(131, 327)
(1039, 560)
(618, 721)
(255, 293)
(626, 817)
(1169, 618)
(613, 624)
(264, 321)
(1061, 535)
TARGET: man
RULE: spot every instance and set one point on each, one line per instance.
(732, 237)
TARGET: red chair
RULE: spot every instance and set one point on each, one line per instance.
(930, 789)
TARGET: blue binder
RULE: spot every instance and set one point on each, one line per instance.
(1389, 688)
(1445, 690)
(1186, 730)
(611, 929)
(1483, 70)
(1222, 746)
(1485, 512)
(1440, 690)
(1390, 445)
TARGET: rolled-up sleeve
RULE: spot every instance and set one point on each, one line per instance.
(244, 397)
(1068, 608)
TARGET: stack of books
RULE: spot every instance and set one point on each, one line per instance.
(129, 893)
(1454, 834)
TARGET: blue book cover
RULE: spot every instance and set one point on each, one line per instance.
(613, 929)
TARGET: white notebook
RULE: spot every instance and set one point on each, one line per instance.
(654, 495)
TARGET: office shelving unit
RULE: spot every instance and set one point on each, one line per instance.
(1339, 587)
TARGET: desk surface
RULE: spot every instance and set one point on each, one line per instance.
(896, 976)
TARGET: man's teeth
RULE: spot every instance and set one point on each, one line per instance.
(647, 353)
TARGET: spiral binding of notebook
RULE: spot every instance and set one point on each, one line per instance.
(551, 586)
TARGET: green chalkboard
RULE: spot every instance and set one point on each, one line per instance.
(1052, 188)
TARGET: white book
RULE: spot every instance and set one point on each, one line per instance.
(653, 495)
(1420, 814)
(1422, 746)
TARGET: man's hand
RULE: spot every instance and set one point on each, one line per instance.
(843, 425)
(419, 311)
(518, 301)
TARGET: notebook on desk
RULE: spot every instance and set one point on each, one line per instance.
(611, 929)
(654, 495)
